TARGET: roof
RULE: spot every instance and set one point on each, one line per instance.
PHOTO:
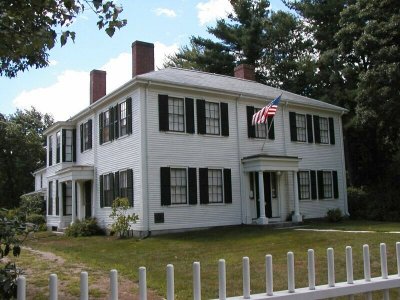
(229, 84)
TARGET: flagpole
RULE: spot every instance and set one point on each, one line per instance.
(269, 128)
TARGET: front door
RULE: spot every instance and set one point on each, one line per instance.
(270, 193)
(88, 199)
(267, 194)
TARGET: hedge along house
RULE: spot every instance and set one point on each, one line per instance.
(180, 146)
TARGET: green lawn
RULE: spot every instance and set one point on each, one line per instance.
(232, 243)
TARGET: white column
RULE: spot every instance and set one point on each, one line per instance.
(73, 214)
(60, 205)
(80, 198)
(263, 219)
(296, 217)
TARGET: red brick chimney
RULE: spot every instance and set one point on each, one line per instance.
(97, 85)
(142, 58)
(245, 72)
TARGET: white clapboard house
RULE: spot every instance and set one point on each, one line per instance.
(180, 146)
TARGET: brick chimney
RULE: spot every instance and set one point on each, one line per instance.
(97, 85)
(245, 72)
(142, 58)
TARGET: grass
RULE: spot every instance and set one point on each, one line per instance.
(101, 254)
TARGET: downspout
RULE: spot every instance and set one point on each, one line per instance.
(346, 207)
(239, 159)
(283, 124)
(146, 168)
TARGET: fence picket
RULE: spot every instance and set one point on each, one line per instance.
(290, 264)
(311, 269)
(53, 295)
(269, 275)
(349, 265)
(113, 285)
(21, 288)
(196, 281)
(222, 279)
(84, 286)
(246, 278)
(170, 282)
(331, 267)
(142, 284)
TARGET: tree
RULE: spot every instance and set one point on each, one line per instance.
(22, 152)
(28, 29)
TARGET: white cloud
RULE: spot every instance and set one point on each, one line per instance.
(70, 93)
(53, 62)
(212, 10)
(165, 12)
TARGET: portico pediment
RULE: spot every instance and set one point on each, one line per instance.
(264, 162)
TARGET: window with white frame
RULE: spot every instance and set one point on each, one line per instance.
(58, 145)
(178, 186)
(176, 114)
(86, 139)
(324, 130)
(106, 126)
(260, 129)
(68, 198)
(68, 145)
(301, 127)
(215, 187)
(50, 147)
(50, 199)
(304, 185)
(123, 184)
(328, 184)
(108, 191)
(212, 118)
(123, 124)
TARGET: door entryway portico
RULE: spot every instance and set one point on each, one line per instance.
(268, 190)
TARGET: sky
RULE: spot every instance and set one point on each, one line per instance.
(62, 89)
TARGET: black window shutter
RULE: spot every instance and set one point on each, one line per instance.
(320, 180)
(116, 121)
(313, 185)
(111, 176)
(189, 107)
(129, 115)
(101, 192)
(335, 185)
(201, 116)
(163, 112)
(90, 130)
(251, 130)
(293, 129)
(81, 136)
(192, 186)
(74, 144)
(57, 200)
(310, 129)
(227, 186)
(64, 198)
(224, 119)
(101, 116)
(317, 133)
(332, 131)
(203, 180)
(111, 124)
(271, 127)
(64, 141)
(130, 186)
(165, 179)
(117, 192)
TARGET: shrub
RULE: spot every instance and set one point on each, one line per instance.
(358, 201)
(32, 204)
(334, 215)
(85, 227)
(36, 219)
(122, 220)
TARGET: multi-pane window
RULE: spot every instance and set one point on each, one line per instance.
(261, 129)
(58, 144)
(327, 183)
(68, 145)
(176, 114)
(50, 150)
(106, 126)
(215, 194)
(108, 190)
(324, 130)
(86, 138)
(123, 125)
(50, 199)
(212, 118)
(304, 185)
(123, 184)
(178, 186)
(68, 198)
(301, 127)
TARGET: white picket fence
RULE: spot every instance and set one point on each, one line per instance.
(330, 290)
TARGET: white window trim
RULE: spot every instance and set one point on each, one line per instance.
(219, 118)
(187, 186)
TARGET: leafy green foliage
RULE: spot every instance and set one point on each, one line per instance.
(334, 215)
(32, 204)
(36, 219)
(29, 29)
(85, 227)
(122, 219)
(21, 153)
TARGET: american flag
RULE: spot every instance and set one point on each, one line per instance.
(262, 115)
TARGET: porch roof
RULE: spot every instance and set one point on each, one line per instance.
(264, 162)
(74, 173)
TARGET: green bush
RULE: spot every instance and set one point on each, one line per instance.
(36, 219)
(32, 204)
(334, 215)
(85, 227)
(122, 220)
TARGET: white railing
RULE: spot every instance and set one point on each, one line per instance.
(332, 289)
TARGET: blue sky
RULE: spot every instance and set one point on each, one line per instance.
(62, 89)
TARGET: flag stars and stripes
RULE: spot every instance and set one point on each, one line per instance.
(262, 115)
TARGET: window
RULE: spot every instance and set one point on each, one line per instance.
(178, 186)
(86, 135)
(212, 118)
(106, 126)
(327, 184)
(123, 184)
(123, 124)
(108, 191)
(68, 198)
(215, 194)
(50, 150)
(50, 199)
(301, 127)
(68, 146)
(58, 144)
(324, 130)
(176, 116)
(261, 131)
(304, 185)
